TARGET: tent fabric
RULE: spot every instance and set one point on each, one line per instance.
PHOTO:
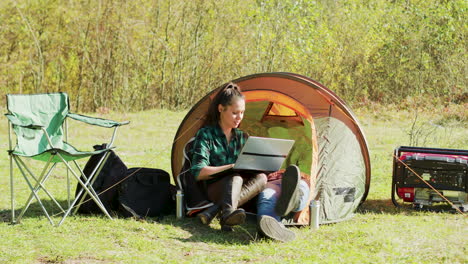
(29, 114)
(340, 185)
(330, 145)
(278, 98)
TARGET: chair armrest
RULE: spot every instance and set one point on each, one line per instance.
(96, 121)
(22, 123)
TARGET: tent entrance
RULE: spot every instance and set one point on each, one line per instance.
(281, 113)
(276, 118)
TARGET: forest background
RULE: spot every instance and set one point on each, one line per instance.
(145, 54)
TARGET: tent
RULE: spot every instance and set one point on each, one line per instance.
(330, 145)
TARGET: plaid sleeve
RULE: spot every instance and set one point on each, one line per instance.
(245, 136)
(200, 152)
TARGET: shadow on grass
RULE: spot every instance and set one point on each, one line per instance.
(378, 207)
(34, 210)
(387, 207)
(243, 234)
(5, 216)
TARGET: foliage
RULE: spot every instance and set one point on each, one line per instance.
(135, 55)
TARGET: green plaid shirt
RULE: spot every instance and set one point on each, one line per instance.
(212, 149)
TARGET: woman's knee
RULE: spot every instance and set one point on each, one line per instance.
(237, 179)
(262, 178)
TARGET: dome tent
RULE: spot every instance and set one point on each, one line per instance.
(330, 145)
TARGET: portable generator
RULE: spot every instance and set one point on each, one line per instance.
(417, 169)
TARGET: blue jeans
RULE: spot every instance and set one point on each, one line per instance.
(267, 198)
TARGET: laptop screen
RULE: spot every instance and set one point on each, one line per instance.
(263, 154)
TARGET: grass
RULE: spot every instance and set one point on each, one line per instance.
(379, 233)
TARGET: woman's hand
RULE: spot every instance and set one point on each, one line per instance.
(207, 171)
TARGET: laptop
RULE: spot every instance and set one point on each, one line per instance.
(262, 154)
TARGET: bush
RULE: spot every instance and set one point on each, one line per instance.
(134, 55)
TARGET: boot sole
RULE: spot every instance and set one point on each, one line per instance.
(204, 219)
(207, 215)
(271, 228)
(235, 218)
(289, 191)
(226, 228)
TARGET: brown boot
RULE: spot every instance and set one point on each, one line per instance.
(209, 213)
(231, 215)
(290, 195)
(252, 188)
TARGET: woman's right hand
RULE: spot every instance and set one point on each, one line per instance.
(207, 172)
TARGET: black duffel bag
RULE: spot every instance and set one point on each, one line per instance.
(147, 192)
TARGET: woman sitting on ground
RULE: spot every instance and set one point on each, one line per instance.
(284, 193)
(216, 147)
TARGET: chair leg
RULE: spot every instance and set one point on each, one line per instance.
(90, 181)
(12, 190)
(94, 173)
(40, 181)
(12, 193)
(68, 189)
(87, 187)
(65, 130)
(35, 195)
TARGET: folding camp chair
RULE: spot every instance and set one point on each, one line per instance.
(39, 123)
(195, 199)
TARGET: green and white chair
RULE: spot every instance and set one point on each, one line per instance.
(39, 123)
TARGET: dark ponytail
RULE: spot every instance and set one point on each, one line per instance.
(226, 96)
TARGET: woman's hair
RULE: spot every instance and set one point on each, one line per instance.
(226, 96)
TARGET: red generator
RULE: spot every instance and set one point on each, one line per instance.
(446, 170)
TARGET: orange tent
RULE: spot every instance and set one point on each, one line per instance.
(330, 145)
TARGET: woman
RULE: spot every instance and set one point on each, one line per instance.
(286, 191)
(216, 147)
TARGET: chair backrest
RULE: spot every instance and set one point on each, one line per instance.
(186, 164)
(48, 110)
(194, 191)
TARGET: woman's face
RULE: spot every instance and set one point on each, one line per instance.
(230, 116)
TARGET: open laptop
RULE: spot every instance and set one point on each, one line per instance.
(262, 154)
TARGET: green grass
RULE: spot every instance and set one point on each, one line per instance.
(379, 233)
